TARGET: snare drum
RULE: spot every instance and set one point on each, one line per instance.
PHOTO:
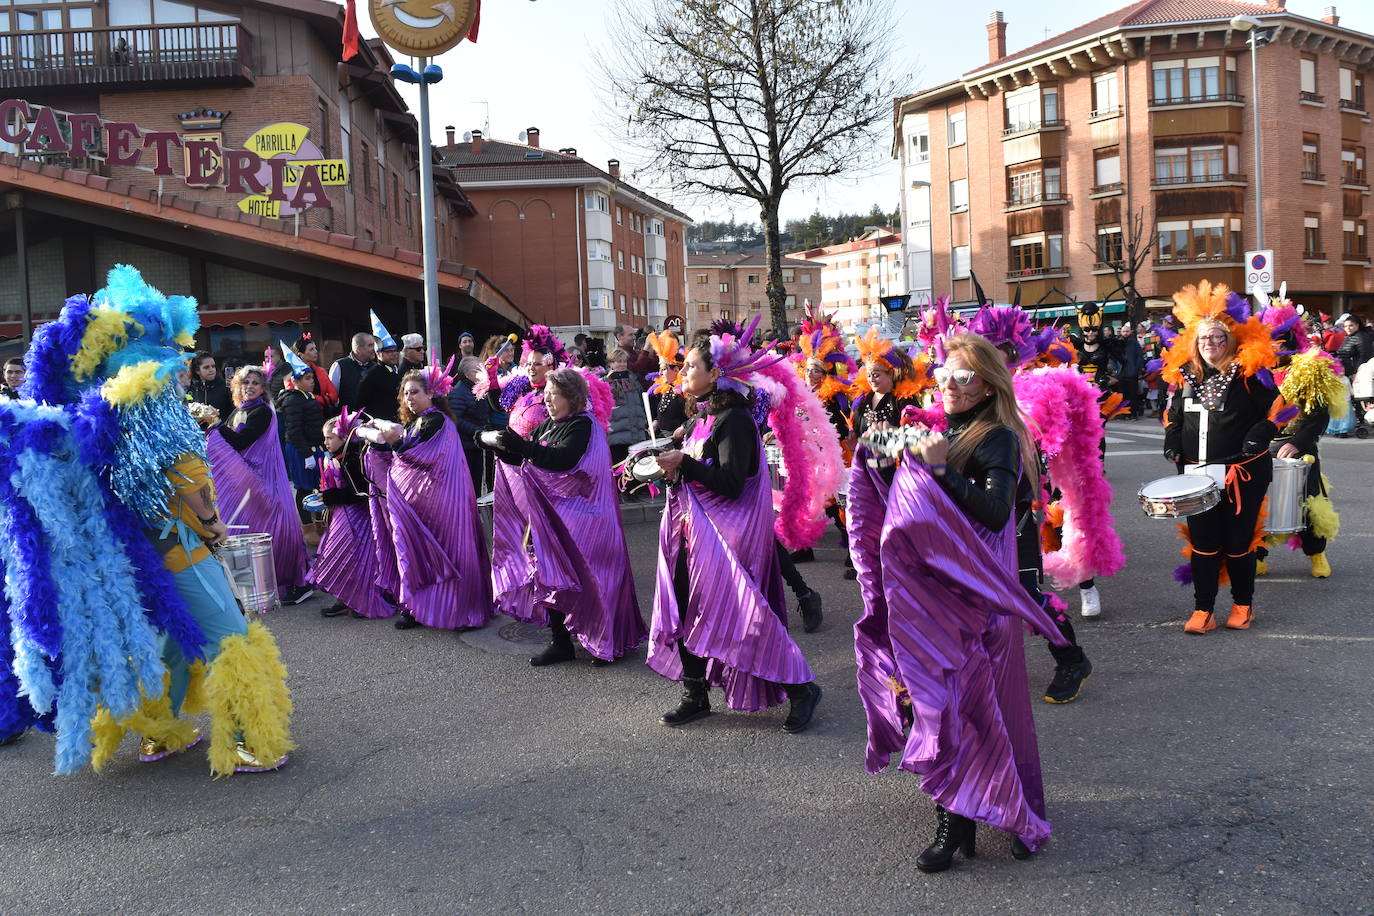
(1179, 496)
(641, 462)
(313, 503)
(1288, 496)
(247, 562)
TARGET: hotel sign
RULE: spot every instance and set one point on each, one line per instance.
(280, 168)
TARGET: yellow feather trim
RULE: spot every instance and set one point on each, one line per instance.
(133, 384)
(186, 339)
(1310, 381)
(1322, 516)
(106, 332)
(246, 692)
(106, 734)
(194, 704)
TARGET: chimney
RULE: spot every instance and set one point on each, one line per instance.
(613, 166)
(1329, 16)
(569, 151)
(532, 137)
(477, 143)
(997, 36)
(450, 130)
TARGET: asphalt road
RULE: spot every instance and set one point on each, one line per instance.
(440, 773)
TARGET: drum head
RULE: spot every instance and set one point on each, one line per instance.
(1176, 487)
(648, 444)
(646, 469)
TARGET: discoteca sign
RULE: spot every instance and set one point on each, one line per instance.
(284, 174)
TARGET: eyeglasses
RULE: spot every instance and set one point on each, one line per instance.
(414, 348)
(962, 377)
(1217, 340)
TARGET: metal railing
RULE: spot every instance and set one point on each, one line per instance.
(1031, 126)
(1311, 97)
(123, 54)
(1198, 179)
(1356, 105)
(1198, 99)
(1029, 272)
(1037, 200)
(1354, 178)
(1314, 255)
(1309, 175)
(1107, 188)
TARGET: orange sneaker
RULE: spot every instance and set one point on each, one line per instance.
(1201, 622)
(1240, 617)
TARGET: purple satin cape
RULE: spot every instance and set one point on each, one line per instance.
(440, 548)
(377, 467)
(260, 470)
(736, 613)
(947, 666)
(346, 562)
(574, 559)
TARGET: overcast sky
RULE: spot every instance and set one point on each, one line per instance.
(534, 66)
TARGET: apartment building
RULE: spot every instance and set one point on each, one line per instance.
(1032, 170)
(226, 151)
(857, 275)
(734, 285)
(578, 246)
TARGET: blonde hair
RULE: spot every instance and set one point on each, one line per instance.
(990, 366)
(1196, 363)
(241, 376)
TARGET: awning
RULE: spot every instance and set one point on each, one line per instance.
(13, 325)
(227, 315)
(1113, 307)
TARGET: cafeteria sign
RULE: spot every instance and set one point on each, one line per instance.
(301, 161)
(281, 170)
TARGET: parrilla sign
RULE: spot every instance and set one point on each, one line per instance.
(262, 171)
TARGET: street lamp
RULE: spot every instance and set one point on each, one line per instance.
(879, 242)
(427, 75)
(1258, 38)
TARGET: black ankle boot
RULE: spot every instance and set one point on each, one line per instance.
(1020, 850)
(407, 621)
(952, 833)
(804, 698)
(696, 703)
(809, 606)
(560, 650)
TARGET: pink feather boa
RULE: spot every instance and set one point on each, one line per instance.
(1061, 409)
(810, 451)
(599, 397)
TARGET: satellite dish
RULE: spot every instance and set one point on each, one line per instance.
(467, 136)
(524, 135)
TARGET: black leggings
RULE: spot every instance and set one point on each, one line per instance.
(1224, 535)
(1071, 654)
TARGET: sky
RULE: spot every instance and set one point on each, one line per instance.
(534, 65)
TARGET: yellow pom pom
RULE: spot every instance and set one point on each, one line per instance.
(133, 384)
(105, 333)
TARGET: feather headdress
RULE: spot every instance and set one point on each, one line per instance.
(1011, 327)
(439, 379)
(736, 359)
(539, 339)
(820, 339)
(668, 348)
(1255, 350)
(910, 376)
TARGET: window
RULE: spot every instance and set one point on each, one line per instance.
(1023, 187)
(703, 307)
(1209, 239)
(805, 278)
(1107, 170)
(1022, 108)
(1027, 254)
(1104, 93)
(1109, 251)
(959, 262)
(1204, 77)
(657, 268)
(1352, 165)
(957, 129)
(1197, 79)
(1049, 103)
(920, 147)
(958, 195)
(1205, 163)
(1183, 164)
(1352, 90)
(598, 201)
(600, 299)
(1307, 79)
(725, 287)
(787, 274)
(656, 227)
(755, 304)
(620, 260)
(790, 302)
(1311, 158)
(597, 250)
(1184, 241)
(1312, 237)
(1355, 244)
(622, 302)
(1168, 80)
(752, 279)
(619, 216)
(1052, 191)
(703, 279)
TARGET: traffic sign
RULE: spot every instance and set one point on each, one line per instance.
(1259, 272)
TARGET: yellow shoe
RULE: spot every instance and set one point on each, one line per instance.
(1261, 567)
(1240, 617)
(1201, 622)
(151, 751)
(1321, 569)
(251, 764)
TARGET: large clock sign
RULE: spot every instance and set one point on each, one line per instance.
(422, 28)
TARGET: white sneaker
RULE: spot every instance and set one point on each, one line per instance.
(1092, 601)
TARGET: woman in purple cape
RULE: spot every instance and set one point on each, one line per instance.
(445, 579)
(942, 672)
(720, 614)
(571, 570)
(346, 562)
(246, 460)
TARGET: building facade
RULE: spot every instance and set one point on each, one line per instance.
(575, 245)
(857, 275)
(225, 150)
(734, 285)
(1045, 169)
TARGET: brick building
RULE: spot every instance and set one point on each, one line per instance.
(1029, 170)
(856, 275)
(734, 285)
(261, 76)
(576, 245)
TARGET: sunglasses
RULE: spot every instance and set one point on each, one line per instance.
(962, 377)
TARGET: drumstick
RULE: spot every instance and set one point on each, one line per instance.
(648, 414)
(242, 502)
(510, 339)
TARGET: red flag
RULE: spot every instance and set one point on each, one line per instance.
(476, 23)
(350, 31)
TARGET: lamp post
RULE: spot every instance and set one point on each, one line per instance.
(1258, 38)
(879, 241)
(424, 77)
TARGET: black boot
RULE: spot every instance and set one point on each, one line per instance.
(952, 832)
(407, 621)
(805, 555)
(804, 698)
(849, 571)
(696, 703)
(809, 606)
(560, 644)
(1020, 850)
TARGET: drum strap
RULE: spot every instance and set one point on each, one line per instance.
(1236, 474)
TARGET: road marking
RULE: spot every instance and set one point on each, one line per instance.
(1112, 453)
(1316, 638)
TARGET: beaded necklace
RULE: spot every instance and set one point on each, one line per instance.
(1211, 392)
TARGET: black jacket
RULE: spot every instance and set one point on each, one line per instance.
(888, 409)
(254, 422)
(302, 420)
(1356, 350)
(1240, 426)
(555, 445)
(350, 374)
(987, 486)
(215, 393)
(730, 455)
(354, 489)
(377, 391)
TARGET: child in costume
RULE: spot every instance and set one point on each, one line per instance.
(119, 616)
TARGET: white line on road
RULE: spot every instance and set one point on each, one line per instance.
(1316, 638)
(1113, 453)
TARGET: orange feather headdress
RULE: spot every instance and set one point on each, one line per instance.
(912, 376)
(1256, 351)
(820, 339)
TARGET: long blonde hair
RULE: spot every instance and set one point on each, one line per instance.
(987, 361)
(1196, 362)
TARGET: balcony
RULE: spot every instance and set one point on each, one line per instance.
(1035, 200)
(1176, 260)
(1031, 273)
(1216, 98)
(1311, 175)
(1314, 256)
(1355, 106)
(1031, 127)
(1102, 114)
(1312, 98)
(124, 55)
(1170, 182)
(1102, 190)
(1355, 178)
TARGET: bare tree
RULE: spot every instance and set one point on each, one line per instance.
(1138, 240)
(751, 98)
